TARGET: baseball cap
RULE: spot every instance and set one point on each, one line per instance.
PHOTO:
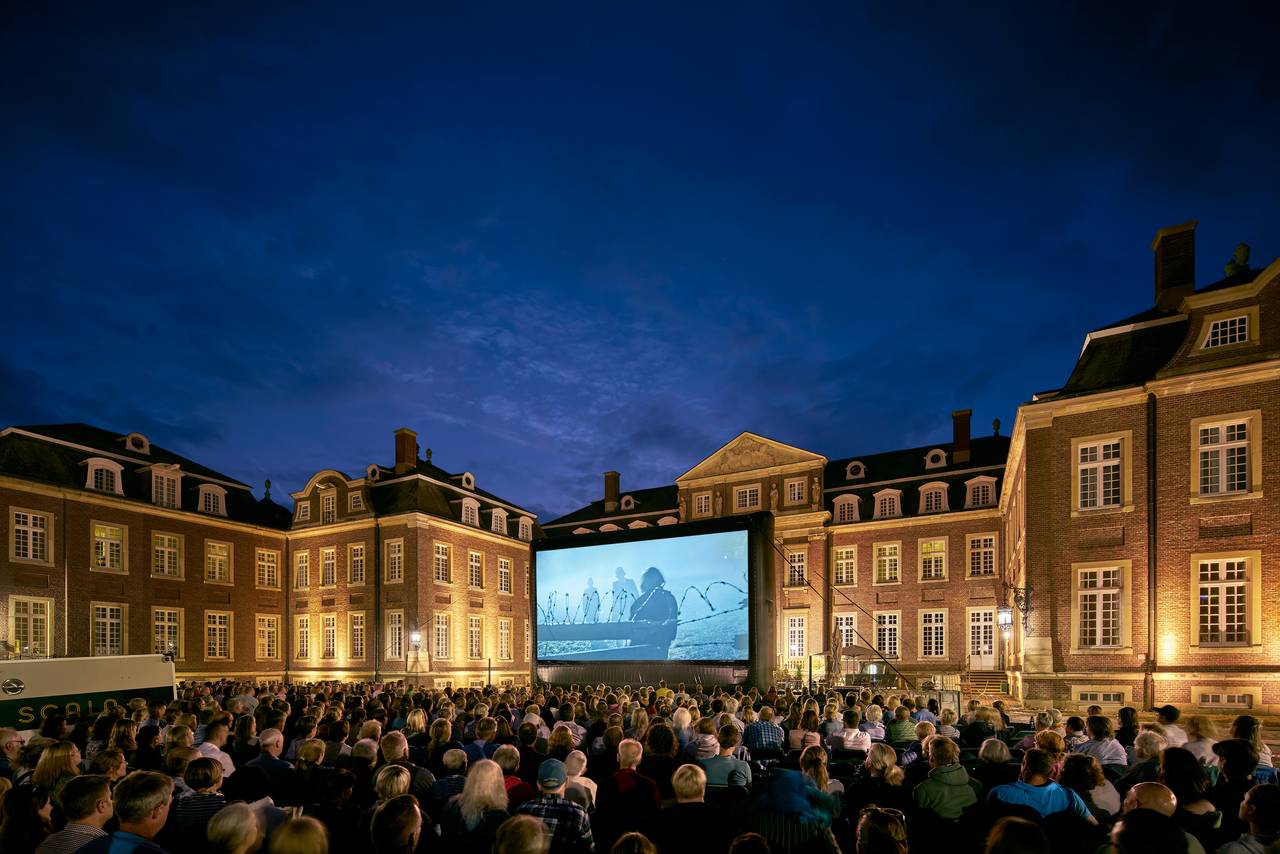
(552, 774)
(1170, 712)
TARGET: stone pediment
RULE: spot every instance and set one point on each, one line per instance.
(749, 452)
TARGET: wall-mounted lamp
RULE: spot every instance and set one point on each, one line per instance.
(415, 640)
(1022, 601)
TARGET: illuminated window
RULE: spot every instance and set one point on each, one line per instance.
(30, 536)
(933, 634)
(933, 499)
(104, 476)
(443, 566)
(355, 501)
(499, 521)
(268, 568)
(982, 492)
(846, 507)
(888, 504)
(888, 563)
(1100, 596)
(267, 639)
(846, 629)
(746, 497)
(395, 634)
(355, 563)
(795, 569)
(395, 561)
(504, 639)
(504, 575)
(702, 504)
(166, 630)
(303, 644)
(1224, 458)
(1224, 601)
(31, 625)
(357, 635)
(328, 507)
(470, 512)
(108, 629)
(475, 637)
(526, 528)
(846, 566)
(1099, 466)
(796, 644)
(933, 559)
(302, 570)
(328, 567)
(982, 554)
(329, 636)
(887, 630)
(164, 489)
(217, 635)
(212, 500)
(166, 555)
(475, 570)
(442, 646)
(796, 490)
(108, 547)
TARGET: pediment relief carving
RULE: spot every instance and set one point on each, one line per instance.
(750, 453)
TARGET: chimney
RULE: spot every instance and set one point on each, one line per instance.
(406, 450)
(611, 490)
(1175, 249)
(960, 435)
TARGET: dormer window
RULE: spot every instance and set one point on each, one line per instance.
(213, 500)
(933, 498)
(104, 476)
(468, 480)
(628, 503)
(855, 471)
(138, 443)
(328, 507)
(164, 487)
(355, 501)
(846, 508)
(610, 527)
(668, 520)
(935, 459)
(304, 511)
(526, 528)
(499, 521)
(639, 523)
(471, 512)
(1227, 331)
(372, 472)
(982, 492)
(888, 504)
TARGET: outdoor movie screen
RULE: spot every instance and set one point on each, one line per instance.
(672, 599)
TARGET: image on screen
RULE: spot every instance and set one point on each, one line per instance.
(678, 599)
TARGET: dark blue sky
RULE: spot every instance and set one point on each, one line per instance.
(599, 236)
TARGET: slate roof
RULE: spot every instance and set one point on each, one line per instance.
(892, 465)
(403, 494)
(34, 459)
(652, 500)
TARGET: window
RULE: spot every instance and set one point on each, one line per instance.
(302, 570)
(304, 511)
(302, 644)
(504, 639)
(933, 498)
(470, 512)
(30, 625)
(217, 634)
(355, 501)
(1226, 700)
(526, 578)
(1228, 330)
(933, 634)
(795, 568)
(982, 492)
(528, 642)
(1224, 600)
(30, 538)
(1100, 697)
(442, 636)
(166, 630)
(982, 554)
(328, 567)
(498, 522)
(356, 636)
(702, 504)
(108, 629)
(475, 637)
(846, 507)
(796, 645)
(847, 566)
(1099, 603)
(746, 497)
(1099, 468)
(628, 502)
(267, 643)
(329, 636)
(888, 563)
(475, 570)
(443, 565)
(164, 489)
(268, 568)
(846, 629)
(855, 471)
(933, 559)
(796, 489)
(104, 476)
(526, 528)
(108, 548)
(935, 459)
(887, 626)
(888, 504)
(166, 555)
(395, 634)
(328, 507)
(395, 561)
(504, 575)
(212, 500)
(355, 563)
(1224, 458)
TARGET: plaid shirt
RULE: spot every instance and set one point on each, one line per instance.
(570, 827)
(764, 735)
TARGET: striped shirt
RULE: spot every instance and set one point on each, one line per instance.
(70, 839)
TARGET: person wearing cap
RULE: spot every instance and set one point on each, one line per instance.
(570, 828)
(1167, 716)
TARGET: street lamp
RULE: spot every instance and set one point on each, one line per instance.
(415, 640)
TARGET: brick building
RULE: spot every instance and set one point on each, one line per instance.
(1153, 468)
(116, 546)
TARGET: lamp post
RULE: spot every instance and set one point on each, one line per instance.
(415, 643)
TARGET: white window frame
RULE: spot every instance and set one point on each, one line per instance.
(475, 637)
(887, 504)
(498, 521)
(112, 476)
(357, 636)
(933, 490)
(29, 605)
(328, 636)
(30, 542)
(302, 569)
(888, 638)
(845, 509)
(797, 567)
(886, 554)
(973, 489)
(302, 637)
(746, 498)
(442, 636)
(856, 470)
(210, 626)
(166, 487)
(328, 507)
(1220, 582)
(1215, 443)
(212, 500)
(931, 558)
(471, 512)
(266, 575)
(475, 570)
(393, 551)
(846, 628)
(357, 564)
(845, 567)
(933, 632)
(1233, 329)
(797, 639)
(442, 563)
(355, 501)
(105, 558)
(526, 529)
(701, 504)
(304, 510)
(209, 558)
(101, 614)
(935, 459)
(504, 575)
(396, 635)
(1095, 587)
(796, 491)
(504, 639)
(1093, 471)
(170, 629)
(329, 566)
(976, 547)
(166, 550)
(266, 633)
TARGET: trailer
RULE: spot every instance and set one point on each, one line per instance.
(32, 689)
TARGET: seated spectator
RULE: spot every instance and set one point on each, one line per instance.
(947, 725)
(237, 829)
(574, 765)
(1101, 744)
(1167, 717)
(604, 763)
(1237, 760)
(948, 791)
(633, 843)
(851, 736)
(703, 744)
(980, 730)
(112, 764)
(86, 805)
(1044, 721)
(1146, 761)
(1127, 729)
(881, 830)
(1186, 778)
(1157, 798)
(1075, 732)
(813, 764)
(883, 784)
(873, 726)
(300, 835)
(832, 723)
(531, 755)
(764, 734)
(791, 813)
(188, 825)
(57, 766)
(660, 760)
(333, 808)
(279, 772)
(518, 791)
(244, 744)
(215, 738)
(1260, 810)
(395, 750)
(1142, 831)
(454, 765)
(1249, 728)
(560, 744)
(1202, 735)
(25, 818)
(691, 824)
(1036, 790)
(996, 766)
(1051, 743)
(570, 827)
(483, 746)
(473, 817)
(141, 805)
(1013, 835)
(336, 747)
(902, 727)
(723, 769)
(626, 800)
(1083, 775)
(522, 834)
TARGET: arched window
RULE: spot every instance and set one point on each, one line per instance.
(468, 480)
(212, 500)
(499, 522)
(935, 459)
(138, 443)
(471, 512)
(855, 470)
(981, 492)
(526, 528)
(888, 504)
(610, 527)
(104, 476)
(845, 508)
(933, 498)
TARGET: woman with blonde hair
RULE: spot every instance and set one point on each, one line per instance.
(1202, 735)
(681, 722)
(639, 725)
(123, 738)
(883, 784)
(560, 744)
(58, 764)
(1250, 729)
(813, 764)
(302, 835)
(807, 733)
(235, 829)
(871, 724)
(474, 816)
(415, 723)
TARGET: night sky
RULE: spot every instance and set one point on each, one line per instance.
(562, 238)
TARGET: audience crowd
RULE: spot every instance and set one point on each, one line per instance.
(234, 768)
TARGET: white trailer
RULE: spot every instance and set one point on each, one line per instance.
(32, 689)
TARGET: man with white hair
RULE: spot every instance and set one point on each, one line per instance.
(1147, 748)
(279, 772)
(691, 824)
(626, 800)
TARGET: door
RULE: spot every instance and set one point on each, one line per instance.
(982, 639)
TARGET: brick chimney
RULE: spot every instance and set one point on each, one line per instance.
(1175, 249)
(406, 450)
(611, 491)
(960, 435)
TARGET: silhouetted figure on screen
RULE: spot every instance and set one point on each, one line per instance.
(590, 603)
(656, 605)
(624, 593)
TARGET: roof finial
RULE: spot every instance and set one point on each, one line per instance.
(267, 487)
(1239, 262)
(428, 455)
(995, 427)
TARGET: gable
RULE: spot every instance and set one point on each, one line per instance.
(749, 452)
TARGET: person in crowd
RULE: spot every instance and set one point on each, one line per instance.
(397, 826)
(873, 726)
(948, 791)
(1202, 735)
(237, 829)
(11, 743)
(660, 760)
(633, 843)
(813, 764)
(86, 805)
(244, 743)
(749, 843)
(1142, 831)
(1083, 775)
(1128, 727)
(189, 823)
(175, 767)
(1051, 743)
(1075, 732)
(723, 769)
(518, 791)
(570, 828)
(1167, 716)
(575, 764)
(703, 743)
(1186, 778)
(111, 762)
(764, 734)
(1158, 798)
(26, 818)
(979, 730)
(1237, 761)
(124, 738)
(1260, 810)
(850, 736)
(995, 765)
(691, 824)
(1102, 745)
(1044, 721)
(474, 816)
(1249, 728)
(883, 783)
(1146, 761)
(302, 835)
(336, 749)
(395, 750)
(626, 800)
(808, 732)
(141, 804)
(523, 834)
(1014, 835)
(59, 763)
(531, 755)
(947, 725)
(452, 781)
(1035, 789)
(682, 723)
(483, 745)
(279, 772)
(304, 730)
(902, 728)
(215, 738)
(333, 808)
(881, 830)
